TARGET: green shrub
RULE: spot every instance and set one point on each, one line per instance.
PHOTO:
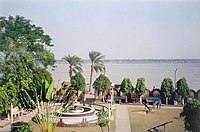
(191, 114)
(21, 127)
(103, 119)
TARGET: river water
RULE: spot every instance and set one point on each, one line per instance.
(153, 72)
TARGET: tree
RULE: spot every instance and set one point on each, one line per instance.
(140, 87)
(103, 119)
(191, 114)
(167, 88)
(75, 64)
(18, 36)
(126, 87)
(4, 102)
(96, 59)
(78, 82)
(102, 83)
(23, 54)
(183, 88)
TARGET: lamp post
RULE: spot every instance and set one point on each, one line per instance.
(175, 71)
(175, 78)
(112, 95)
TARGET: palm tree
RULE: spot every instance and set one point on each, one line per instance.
(96, 59)
(75, 64)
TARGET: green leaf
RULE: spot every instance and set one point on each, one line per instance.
(50, 90)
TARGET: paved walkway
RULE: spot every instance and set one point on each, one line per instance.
(122, 119)
(24, 118)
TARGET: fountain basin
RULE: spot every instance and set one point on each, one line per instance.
(81, 111)
(78, 110)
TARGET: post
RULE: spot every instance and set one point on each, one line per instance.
(175, 101)
(109, 115)
(175, 78)
(11, 113)
(112, 96)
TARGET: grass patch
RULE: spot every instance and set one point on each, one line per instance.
(141, 122)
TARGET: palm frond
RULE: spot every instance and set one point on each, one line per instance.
(95, 56)
(75, 62)
(99, 67)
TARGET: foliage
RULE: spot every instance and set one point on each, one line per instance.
(191, 114)
(40, 75)
(4, 100)
(50, 90)
(47, 116)
(21, 127)
(75, 64)
(140, 86)
(126, 86)
(182, 87)
(78, 82)
(24, 59)
(103, 119)
(102, 83)
(18, 36)
(96, 59)
(167, 88)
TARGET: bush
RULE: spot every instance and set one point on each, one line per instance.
(21, 127)
(103, 119)
(191, 114)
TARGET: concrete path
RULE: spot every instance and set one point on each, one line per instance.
(122, 119)
(24, 118)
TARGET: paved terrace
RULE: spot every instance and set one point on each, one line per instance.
(122, 117)
(24, 118)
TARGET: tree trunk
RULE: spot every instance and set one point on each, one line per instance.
(8, 114)
(96, 94)
(183, 100)
(91, 73)
(100, 95)
(140, 99)
(166, 101)
(103, 96)
(84, 98)
(126, 99)
(102, 129)
(70, 71)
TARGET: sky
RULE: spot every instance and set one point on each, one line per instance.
(120, 29)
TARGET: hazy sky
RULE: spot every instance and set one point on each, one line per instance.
(120, 29)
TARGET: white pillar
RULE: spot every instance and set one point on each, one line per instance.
(11, 113)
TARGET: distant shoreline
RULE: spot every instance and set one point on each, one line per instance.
(120, 61)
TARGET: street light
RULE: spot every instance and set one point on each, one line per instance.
(112, 96)
(175, 71)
